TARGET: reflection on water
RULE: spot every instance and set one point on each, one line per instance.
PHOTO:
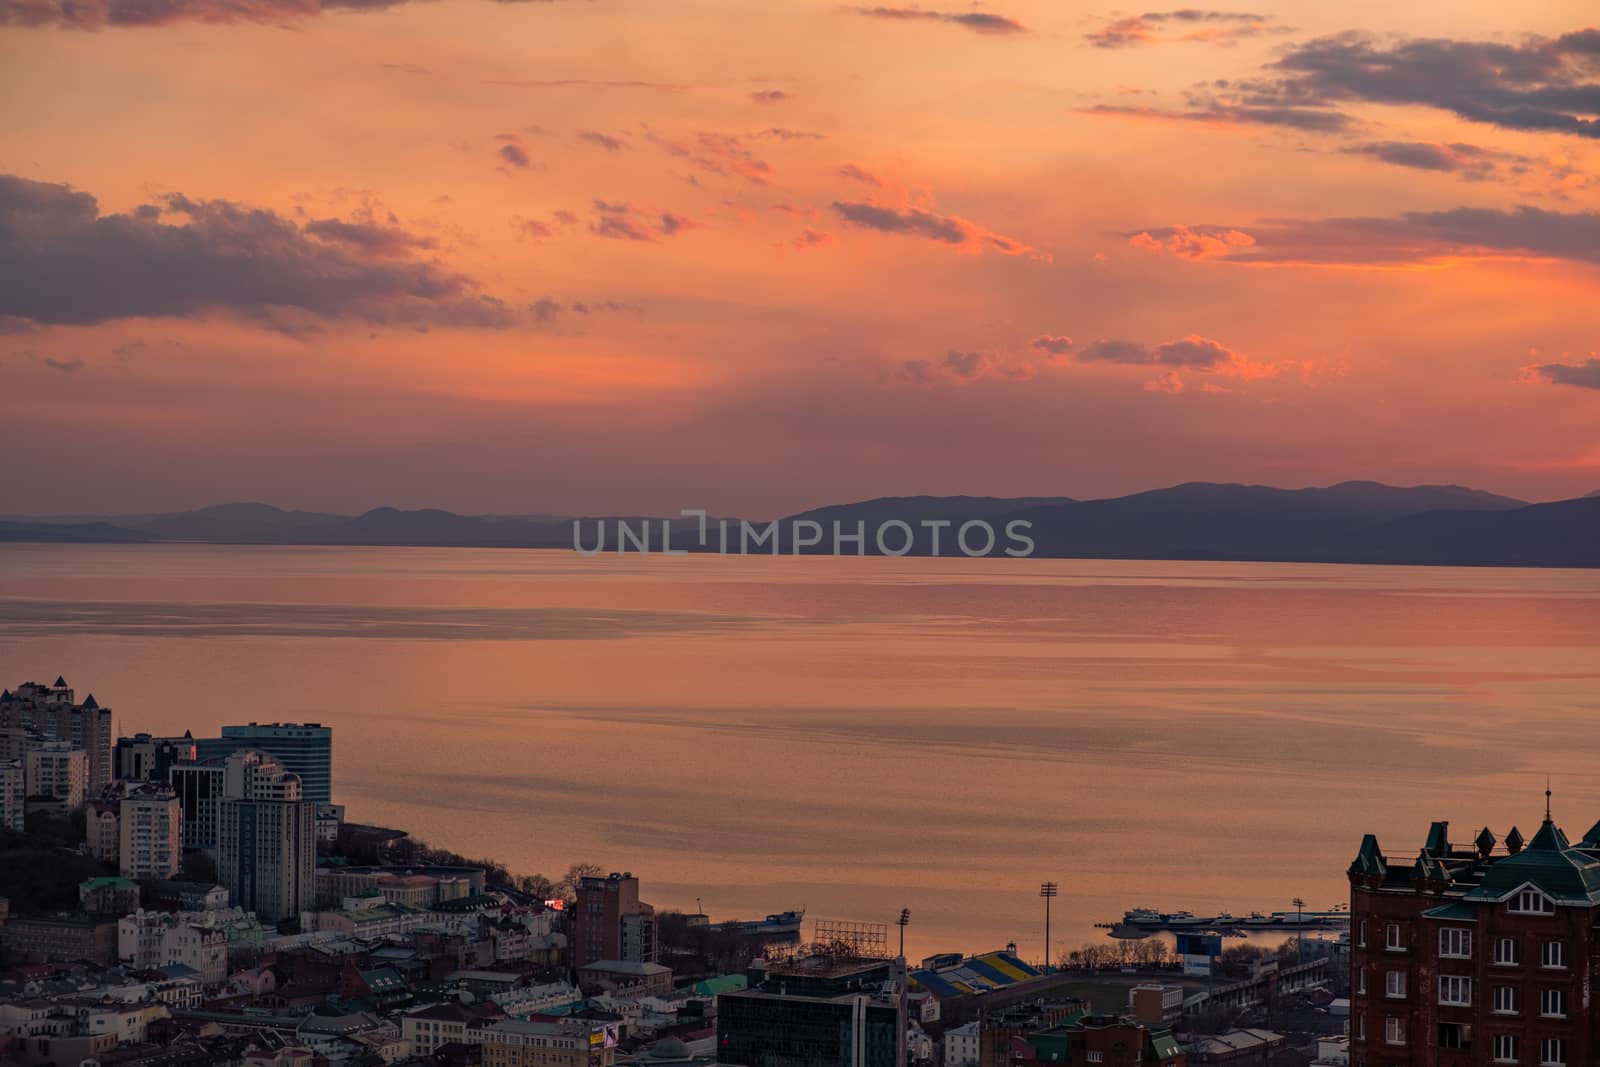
(856, 736)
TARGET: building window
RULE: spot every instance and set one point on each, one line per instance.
(1361, 934)
(1361, 981)
(1394, 1030)
(1394, 984)
(1391, 938)
(1361, 1027)
(1507, 1000)
(1454, 989)
(1554, 954)
(1553, 1003)
(1507, 952)
(1532, 902)
(1455, 1035)
(1553, 1052)
(1505, 1048)
(1455, 942)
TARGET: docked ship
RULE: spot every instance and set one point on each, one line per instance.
(784, 924)
(1142, 922)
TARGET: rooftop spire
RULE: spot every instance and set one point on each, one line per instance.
(1547, 798)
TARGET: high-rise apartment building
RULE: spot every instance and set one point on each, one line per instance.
(143, 758)
(58, 770)
(267, 837)
(199, 789)
(150, 832)
(306, 749)
(13, 795)
(50, 712)
(1476, 954)
(610, 922)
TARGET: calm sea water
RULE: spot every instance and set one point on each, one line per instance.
(854, 736)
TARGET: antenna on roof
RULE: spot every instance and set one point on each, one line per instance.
(1547, 798)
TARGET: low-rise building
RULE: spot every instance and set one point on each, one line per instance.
(111, 895)
(103, 826)
(556, 1043)
(426, 1029)
(625, 978)
(61, 937)
(961, 1045)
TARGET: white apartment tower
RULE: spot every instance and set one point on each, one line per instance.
(151, 832)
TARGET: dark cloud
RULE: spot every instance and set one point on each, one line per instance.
(1187, 24)
(1053, 344)
(102, 14)
(1108, 351)
(1543, 83)
(65, 366)
(1585, 375)
(811, 238)
(1469, 161)
(621, 221)
(1192, 352)
(62, 261)
(1219, 113)
(850, 170)
(976, 21)
(547, 311)
(769, 96)
(600, 307)
(370, 238)
(945, 229)
(1414, 237)
(963, 368)
(723, 154)
(606, 141)
(778, 133)
(515, 155)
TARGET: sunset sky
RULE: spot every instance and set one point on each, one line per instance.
(638, 255)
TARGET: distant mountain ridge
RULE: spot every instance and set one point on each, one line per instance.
(1351, 522)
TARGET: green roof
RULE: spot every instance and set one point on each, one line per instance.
(108, 881)
(1456, 911)
(1550, 864)
(1166, 1046)
(726, 983)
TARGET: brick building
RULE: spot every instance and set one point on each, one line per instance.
(610, 922)
(1476, 955)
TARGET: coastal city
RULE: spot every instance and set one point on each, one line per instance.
(174, 901)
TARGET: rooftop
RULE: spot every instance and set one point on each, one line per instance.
(1479, 873)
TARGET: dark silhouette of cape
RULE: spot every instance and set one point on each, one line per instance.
(1352, 522)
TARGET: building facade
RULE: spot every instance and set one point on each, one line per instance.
(199, 788)
(610, 922)
(143, 758)
(58, 770)
(1476, 954)
(13, 795)
(306, 749)
(150, 831)
(816, 1011)
(267, 851)
(51, 713)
